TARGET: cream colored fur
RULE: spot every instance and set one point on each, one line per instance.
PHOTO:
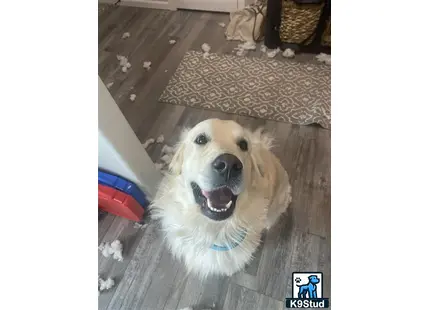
(265, 195)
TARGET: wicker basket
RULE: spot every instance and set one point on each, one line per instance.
(299, 21)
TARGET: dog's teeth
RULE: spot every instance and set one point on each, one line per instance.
(229, 204)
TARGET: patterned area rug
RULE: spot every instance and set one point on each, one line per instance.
(286, 91)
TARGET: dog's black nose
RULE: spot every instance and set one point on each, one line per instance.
(227, 166)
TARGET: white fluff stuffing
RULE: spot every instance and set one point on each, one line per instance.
(206, 47)
(263, 48)
(159, 166)
(240, 52)
(104, 247)
(221, 25)
(187, 308)
(167, 149)
(133, 97)
(109, 85)
(148, 143)
(122, 60)
(125, 35)
(273, 53)
(115, 249)
(324, 58)
(147, 65)
(172, 41)
(160, 139)
(166, 158)
(105, 285)
(248, 45)
(288, 53)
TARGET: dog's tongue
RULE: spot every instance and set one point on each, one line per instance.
(221, 196)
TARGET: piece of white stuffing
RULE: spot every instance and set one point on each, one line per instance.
(167, 149)
(159, 166)
(172, 42)
(124, 69)
(147, 65)
(273, 53)
(122, 60)
(206, 47)
(166, 158)
(248, 45)
(263, 48)
(116, 249)
(125, 35)
(148, 143)
(105, 285)
(160, 139)
(221, 25)
(132, 97)
(240, 52)
(288, 53)
(128, 65)
(104, 247)
(109, 85)
(322, 57)
(187, 308)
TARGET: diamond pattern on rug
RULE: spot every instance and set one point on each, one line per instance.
(286, 91)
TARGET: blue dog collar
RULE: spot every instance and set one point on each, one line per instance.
(228, 247)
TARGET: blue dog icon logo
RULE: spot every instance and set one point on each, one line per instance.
(308, 290)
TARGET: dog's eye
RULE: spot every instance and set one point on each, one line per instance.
(201, 139)
(243, 145)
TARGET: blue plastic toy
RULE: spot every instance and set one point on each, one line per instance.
(123, 185)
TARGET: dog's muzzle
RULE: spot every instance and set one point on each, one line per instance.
(219, 202)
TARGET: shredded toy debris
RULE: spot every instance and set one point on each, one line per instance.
(288, 53)
(115, 249)
(148, 143)
(160, 139)
(273, 53)
(324, 58)
(105, 285)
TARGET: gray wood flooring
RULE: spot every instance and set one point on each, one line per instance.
(149, 278)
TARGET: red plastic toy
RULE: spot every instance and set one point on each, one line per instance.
(119, 203)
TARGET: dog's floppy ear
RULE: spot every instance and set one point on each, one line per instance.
(260, 142)
(175, 165)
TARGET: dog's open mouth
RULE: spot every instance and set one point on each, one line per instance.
(217, 204)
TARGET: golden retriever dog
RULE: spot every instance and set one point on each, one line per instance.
(224, 188)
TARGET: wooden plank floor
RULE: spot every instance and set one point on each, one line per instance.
(149, 278)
